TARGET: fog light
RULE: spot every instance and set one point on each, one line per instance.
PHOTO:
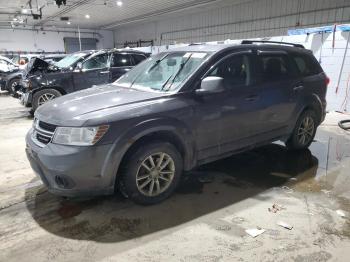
(64, 182)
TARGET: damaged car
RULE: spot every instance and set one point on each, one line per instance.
(75, 72)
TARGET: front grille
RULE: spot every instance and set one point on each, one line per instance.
(43, 139)
(47, 126)
(43, 132)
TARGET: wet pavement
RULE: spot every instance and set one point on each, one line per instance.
(204, 221)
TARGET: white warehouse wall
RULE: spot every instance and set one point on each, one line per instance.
(229, 20)
(49, 41)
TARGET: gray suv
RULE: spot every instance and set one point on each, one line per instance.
(175, 111)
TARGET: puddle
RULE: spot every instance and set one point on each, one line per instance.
(190, 184)
(68, 210)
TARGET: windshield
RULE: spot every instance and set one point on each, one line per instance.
(70, 60)
(163, 72)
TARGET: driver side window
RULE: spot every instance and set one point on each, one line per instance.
(96, 62)
(235, 70)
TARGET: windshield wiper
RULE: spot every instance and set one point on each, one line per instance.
(176, 74)
(149, 70)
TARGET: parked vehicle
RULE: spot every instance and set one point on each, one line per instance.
(76, 72)
(10, 74)
(175, 111)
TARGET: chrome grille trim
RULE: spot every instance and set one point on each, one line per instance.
(38, 131)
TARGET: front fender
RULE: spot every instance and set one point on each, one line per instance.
(123, 143)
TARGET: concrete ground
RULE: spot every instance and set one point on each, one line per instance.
(204, 221)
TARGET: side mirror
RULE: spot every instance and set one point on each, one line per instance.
(211, 84)
(79, 67)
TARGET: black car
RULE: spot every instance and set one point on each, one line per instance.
(173, 112)
(39, 69)
(76, 72)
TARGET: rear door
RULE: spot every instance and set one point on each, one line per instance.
(120, 64)
(311, 75)
(95, 71)
(280, 87)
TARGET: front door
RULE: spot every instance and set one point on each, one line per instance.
(231, 117)
(94, 71)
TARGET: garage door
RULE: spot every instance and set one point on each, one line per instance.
(72, 44)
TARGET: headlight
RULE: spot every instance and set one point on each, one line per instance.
(79, 136)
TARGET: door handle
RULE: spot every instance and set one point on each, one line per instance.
(252, 98)
(104, 72)
(298, 88)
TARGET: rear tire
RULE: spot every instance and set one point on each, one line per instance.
(13, 83)
(151, 173)
(304, 131)
(43, 96)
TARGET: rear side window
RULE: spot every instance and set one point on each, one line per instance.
(306, 65)
(138, 58)
(120, 60)
(273, 67)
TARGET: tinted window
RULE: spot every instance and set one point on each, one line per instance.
(273, 67)
(306, 65)
(138, 58)
(95, 62)
(235, 71)
(120, 60)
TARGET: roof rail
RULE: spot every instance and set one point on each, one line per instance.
(249, 42)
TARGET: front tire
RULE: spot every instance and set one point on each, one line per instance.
(43, 96)
(152, 173)
(304, 131)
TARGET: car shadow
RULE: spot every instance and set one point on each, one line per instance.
(203, 191)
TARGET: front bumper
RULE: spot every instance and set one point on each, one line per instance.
(70, 170)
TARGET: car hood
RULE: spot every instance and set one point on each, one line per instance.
(38, 65)
(77, 108)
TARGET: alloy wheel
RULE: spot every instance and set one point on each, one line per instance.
(44, 98)
(306, 130)
(155, 174)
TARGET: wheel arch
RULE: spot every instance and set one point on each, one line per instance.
(57, 88)
(312, 102)
(14, 77)
(167, 130)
